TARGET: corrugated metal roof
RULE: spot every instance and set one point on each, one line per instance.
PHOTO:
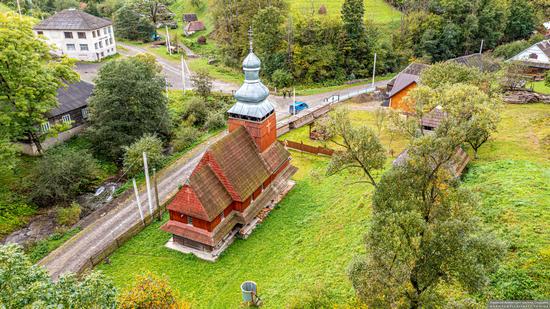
(72, 97)
(72, 19)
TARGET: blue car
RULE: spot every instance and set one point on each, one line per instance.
(296, 107)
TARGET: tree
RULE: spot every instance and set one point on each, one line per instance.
(29, 78)
(423, 230)
(150, 291)
(65, 4)
(128, 101)
(358, 44)
(362, 148)
(24, 285)
(521, 22)
(269, 33)
(282, 78)
(449, 73)
(133, 154)
(153, 9)
(61, 175)
(202, 82)
(131, 25)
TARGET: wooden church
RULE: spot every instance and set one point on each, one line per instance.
(238, 179)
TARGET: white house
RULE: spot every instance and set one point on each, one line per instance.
(536, 56)
(79, 35)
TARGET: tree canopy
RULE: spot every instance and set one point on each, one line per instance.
(128, 102)
(24, 285)
(130, 24)
(29, 78)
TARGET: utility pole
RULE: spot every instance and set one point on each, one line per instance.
(481, 47)
(294, 100)
(137, 200)
(166, 87)
(168, 41)
(19, 9)
(373, 70)
(183, 73)
(147, 183)
(157, 192)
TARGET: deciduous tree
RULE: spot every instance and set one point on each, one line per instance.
(202, 82)
(29, 78)
(362, 150)
(128, 102)
(150, 291)
(24, 285)
(133, 154)
(130, 24)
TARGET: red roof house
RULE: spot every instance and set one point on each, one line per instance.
(237, 177)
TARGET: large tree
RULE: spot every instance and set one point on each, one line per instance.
(359, 45)
(29, 78)
(130, 24)
(521, 22)
(128, 102)
(423, 234)
(24, 285)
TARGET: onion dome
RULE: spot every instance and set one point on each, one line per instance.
(252, 96)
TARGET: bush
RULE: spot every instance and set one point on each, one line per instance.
(281, 78)
(322, 10)
(130, 24)
(185, 137)
(150, 291)
(201, 40)
(317, 297)
(133, 154)
(511, 49)
(202, 82)
(61, 175)
(195, 112)
(68, 216)
(214, 121)
(547, 79)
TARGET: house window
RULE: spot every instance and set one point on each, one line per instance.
(104, 30)
(85, 113)
(40, 32)
(66, 118)
(95, 45)
(100, 44)
(81, 35)
(110, 29)
(102, 55)
(71, 47)
(106, 42)
(533, 56)
(93, 34)
(45, 127)
(98, 34)
(68, 35)
(111, 41)
(84, 47)
(189, 220)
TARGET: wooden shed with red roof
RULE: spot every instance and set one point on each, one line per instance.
(238, 177)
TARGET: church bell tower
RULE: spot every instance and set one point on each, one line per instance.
(253, 109)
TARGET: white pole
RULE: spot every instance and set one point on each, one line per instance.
(168, 41)
(481, 47)
(373, 70)
(294, 100)
(166, 86)
(137, 200)
(147, 183)
(183, 73)
(19, 9)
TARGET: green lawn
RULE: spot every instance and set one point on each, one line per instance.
(377, 11)
(541, 87)
(311, 237)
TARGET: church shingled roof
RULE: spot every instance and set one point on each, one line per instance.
(240, 161)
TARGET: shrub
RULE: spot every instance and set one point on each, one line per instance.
(150, 291)
(510, 49)
(68, 216)
(185, 137)
(547, 79)
(195, 112)
(317, 297)
(281, 78)
(201, 40)
(322, 10)
(214, 121)
(61, 175)
(202, 82)
(133, 154)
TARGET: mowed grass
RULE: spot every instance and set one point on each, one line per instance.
(541, 87)
(310, 238)
(378, 11)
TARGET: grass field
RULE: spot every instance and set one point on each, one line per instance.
(311, 237)
(541, 87)
(377, 11)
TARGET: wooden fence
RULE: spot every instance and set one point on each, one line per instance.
(317, 150)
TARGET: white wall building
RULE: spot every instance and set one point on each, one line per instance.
(79, 35)
(536, 55)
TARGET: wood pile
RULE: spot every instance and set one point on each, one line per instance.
(524, 97)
